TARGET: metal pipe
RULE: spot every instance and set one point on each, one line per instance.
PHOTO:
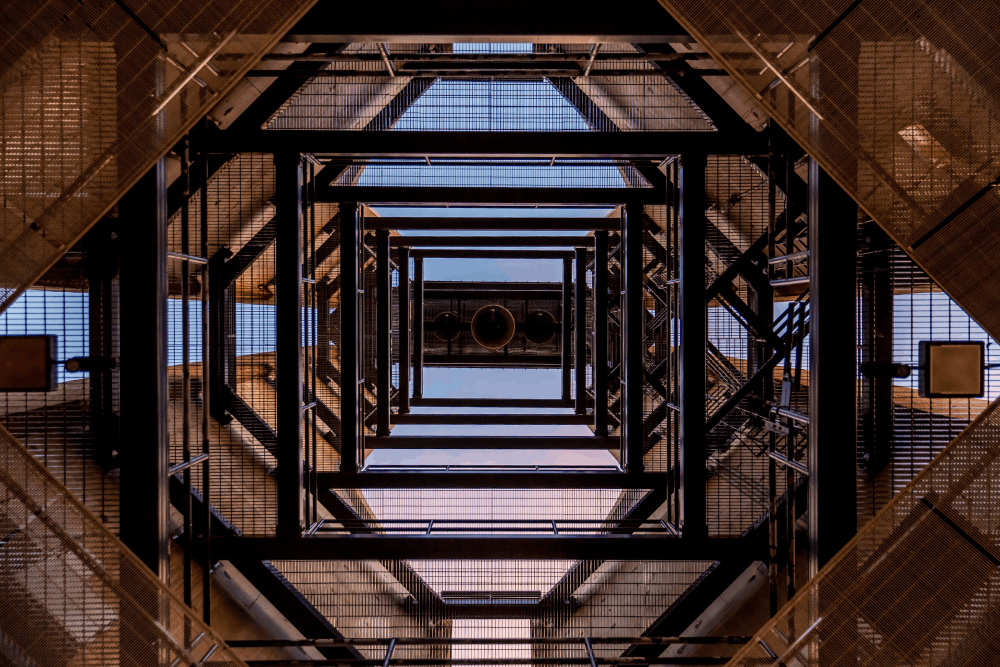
(179, 84)
(782, 459)
(590, 61)
(184, 465)
(180, 256)
(384, 52)
(465, 72)
(567, 329)
(580, 326)
(590, 652)
(477, 57)
(420, 662)
(802, 254)
(388, 653)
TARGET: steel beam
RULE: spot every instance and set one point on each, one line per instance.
(832, 449)
(383, 330)
(492, 442)
(447, 21)
(492, 418)
(288, 341)
(547, 547)
(445, 144)
(580, 330)
(350, 407)
(404, 330)
(693, 340)
(491, 224)
(144, 404)
(418, 329)
(567, 329)
(492, 293)
(600, 350)
(102, 267)
(492, 402)
(491, 241)
(632, 337)
(493, 479)
(486, 253)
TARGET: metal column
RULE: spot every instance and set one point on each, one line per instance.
(350, 413)
(404, 330)
(567, 329)
(634, 324)
(102, 273)
(580, 317)
(383, 330)
(144, 393)
(288, 341)
(693, 338)
(418, 327)
(876, 291)
(832, 452)
(600, 351)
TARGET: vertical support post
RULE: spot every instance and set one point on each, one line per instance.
(876, 347)
(418, 327)
(567, 329)
(102, 272)
(832, 449)
(600, 351)
(383, 330)
(404, 330)
(144, 397)
(693, 337)
(288, 340)
(206, 490)
(634, 324)
(350, 412)
(580, 317)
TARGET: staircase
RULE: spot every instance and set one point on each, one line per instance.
(74, 593)
(899, 100)
(93, 93)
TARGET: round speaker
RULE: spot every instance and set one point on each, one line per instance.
(447, 325)
(493, 327)
(538, 327)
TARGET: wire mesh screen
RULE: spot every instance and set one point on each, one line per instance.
(61, 428)
(898, 101)
(77, 132)
(74, 593)
(899, 432)
(918, 585)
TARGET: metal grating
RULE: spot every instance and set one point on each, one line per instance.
(918, 584)
(77, 131)
(897, 100)
(74, 593)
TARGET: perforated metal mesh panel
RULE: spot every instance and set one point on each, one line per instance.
(918, 585)
(73, 593)
(897, 99)
(90, 97)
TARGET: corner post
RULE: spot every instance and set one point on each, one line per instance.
(350, 413)
(288, 341)
(693, 338)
